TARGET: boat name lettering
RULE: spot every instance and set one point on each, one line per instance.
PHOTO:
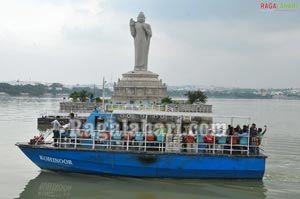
(56, 160)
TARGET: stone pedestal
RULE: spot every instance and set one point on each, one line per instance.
(139, 86)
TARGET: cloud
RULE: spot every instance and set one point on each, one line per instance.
(40, 22)
(79, 41)
(218, 53)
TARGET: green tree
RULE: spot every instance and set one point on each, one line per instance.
(74, 96)
(196, 96)
(166, 100)
(83, 95)
(91, 95)
(98, 99)
(59, 85)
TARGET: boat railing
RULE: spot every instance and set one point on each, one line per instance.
(169, 108)
(168, 143)
(135, 107)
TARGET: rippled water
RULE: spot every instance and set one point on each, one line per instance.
(20, 178)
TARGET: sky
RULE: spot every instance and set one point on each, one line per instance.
(231, 43)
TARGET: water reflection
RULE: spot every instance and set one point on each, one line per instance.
(61, 185)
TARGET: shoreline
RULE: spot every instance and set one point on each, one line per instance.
(173, 97)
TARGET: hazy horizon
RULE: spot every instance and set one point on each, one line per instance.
(99, 85)
(225, 44)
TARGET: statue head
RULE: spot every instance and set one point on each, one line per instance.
(141, 17)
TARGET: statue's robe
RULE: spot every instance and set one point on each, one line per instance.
(141, 33)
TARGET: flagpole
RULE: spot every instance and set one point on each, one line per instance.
(103, 93)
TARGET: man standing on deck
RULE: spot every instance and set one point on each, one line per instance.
(73, 122)
(73, 126)
(253, 130)
(253, 135)
(55, 129)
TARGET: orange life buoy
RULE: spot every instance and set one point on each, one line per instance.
(232, 140)
(209, 138)
(150, 137)
(189, 139)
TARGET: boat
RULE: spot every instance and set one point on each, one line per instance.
(176, 147)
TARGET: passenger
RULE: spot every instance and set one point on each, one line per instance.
(238, 129)
(243, 139)
(229, 133)
(55, 129)
(229, 130)
(256, 141)
(232, 138)
(184, 141)
(244, 132)
(71, 127)
(260, 132)
(72, 122)
(253, 130)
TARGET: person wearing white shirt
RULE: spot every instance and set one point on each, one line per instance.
(55, 129)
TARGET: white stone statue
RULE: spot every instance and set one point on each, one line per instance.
(141, 33)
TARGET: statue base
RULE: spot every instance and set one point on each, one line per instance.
(139, 86)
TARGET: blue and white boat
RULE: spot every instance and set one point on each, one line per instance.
(169, 150)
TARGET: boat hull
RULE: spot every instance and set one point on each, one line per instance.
(141, 164)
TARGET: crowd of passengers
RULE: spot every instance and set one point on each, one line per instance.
(232, 135)
(244, 136)
(245, 131)
(237, 137)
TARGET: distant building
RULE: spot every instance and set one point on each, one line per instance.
(264, 93)
(3, 94)
(18, 82)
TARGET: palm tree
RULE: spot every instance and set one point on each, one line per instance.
(196, 96)
(82, 96)
(166, 100)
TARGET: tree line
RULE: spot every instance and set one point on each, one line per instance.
(57, 88)
(41, 89)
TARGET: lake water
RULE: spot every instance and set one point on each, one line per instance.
(20, 178)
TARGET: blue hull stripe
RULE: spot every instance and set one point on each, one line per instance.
(147, 165)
